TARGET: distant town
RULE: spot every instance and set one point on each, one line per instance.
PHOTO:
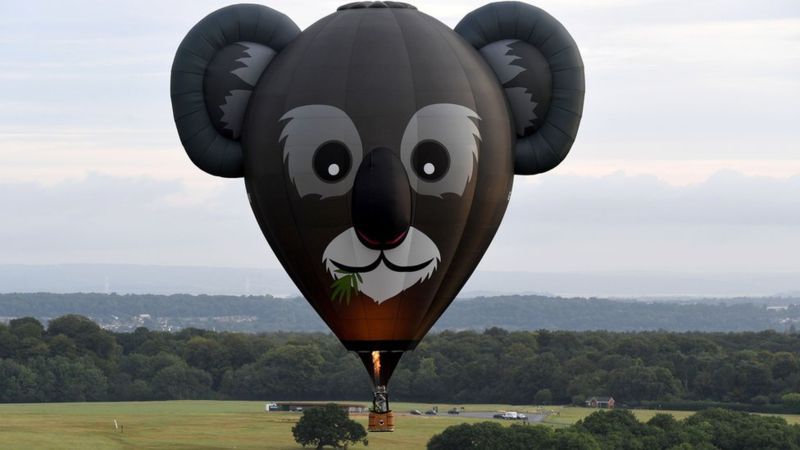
(255, 314)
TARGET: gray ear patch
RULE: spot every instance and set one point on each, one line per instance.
(523, 106)
(525, 76)
(256, 60)
(230, 79)
(499, 56)
(233, 111)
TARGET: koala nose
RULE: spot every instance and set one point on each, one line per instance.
(381, 208)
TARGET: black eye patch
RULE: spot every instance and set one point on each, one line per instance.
(332, 161)
(430, 160)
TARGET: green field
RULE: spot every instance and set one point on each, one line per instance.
(218, 424)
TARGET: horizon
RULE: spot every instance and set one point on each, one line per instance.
(236, 281)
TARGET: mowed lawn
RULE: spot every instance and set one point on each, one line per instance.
(184, 424)
(218, 424)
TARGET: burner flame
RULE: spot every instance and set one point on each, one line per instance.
(376, 364)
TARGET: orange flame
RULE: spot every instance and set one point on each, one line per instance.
(376, 364)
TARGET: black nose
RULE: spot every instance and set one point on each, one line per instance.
(381, 200)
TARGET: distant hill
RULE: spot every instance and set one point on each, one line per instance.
(146, 279)
(580, 314)
(265, 313)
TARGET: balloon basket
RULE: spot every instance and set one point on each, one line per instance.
(381, 422)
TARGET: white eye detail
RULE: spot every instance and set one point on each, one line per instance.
(333, 170)
(321, 146)
(440, 149)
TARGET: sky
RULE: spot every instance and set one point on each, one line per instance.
(687, 159)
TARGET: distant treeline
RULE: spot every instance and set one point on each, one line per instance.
(73, 359)
(265, 313)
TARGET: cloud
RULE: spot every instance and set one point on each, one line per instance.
(679, 172)
(665, 80)
(674, 89)
(714, 89)
(729, 222)
(727, 198)
(661, 84)
(141, 220)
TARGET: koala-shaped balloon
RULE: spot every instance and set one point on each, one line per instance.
(378, 147)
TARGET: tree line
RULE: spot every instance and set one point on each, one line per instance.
(74, 359)
(711, 429)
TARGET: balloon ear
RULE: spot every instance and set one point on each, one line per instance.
(214, 72)
(541, 70)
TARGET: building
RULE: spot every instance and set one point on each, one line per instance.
(600, 402)
(300, 406)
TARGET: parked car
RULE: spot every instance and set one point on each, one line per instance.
(416, 412)
(431, 412)
(454, 411)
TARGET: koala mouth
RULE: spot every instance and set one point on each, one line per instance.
(384, 273)
(374, 265)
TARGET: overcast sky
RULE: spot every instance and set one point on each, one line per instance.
(687, 159)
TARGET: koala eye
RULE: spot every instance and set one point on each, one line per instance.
(430, 160)
(321, 145)
(439, 149)
(332, 161)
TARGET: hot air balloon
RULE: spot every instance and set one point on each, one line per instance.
(378, 148)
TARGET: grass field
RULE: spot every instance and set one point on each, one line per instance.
(218, 424)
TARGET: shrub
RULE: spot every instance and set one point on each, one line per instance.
(328, 425)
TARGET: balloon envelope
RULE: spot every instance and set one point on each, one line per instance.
(378, 163)
(378, 146)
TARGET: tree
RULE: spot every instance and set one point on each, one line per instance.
(86, 334)
(26, 327)
(328, 425)
(17, 382)
(543, 397)
(181, 382)
(483, 435)
(60, 379)
(791, 400)
(574, 439)
(61, 345)
(288, 371)
(741, 431)
(466, 436)
(643, 383)
(616, 428)
(207, 354)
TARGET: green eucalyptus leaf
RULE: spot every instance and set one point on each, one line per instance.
(345, 286)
